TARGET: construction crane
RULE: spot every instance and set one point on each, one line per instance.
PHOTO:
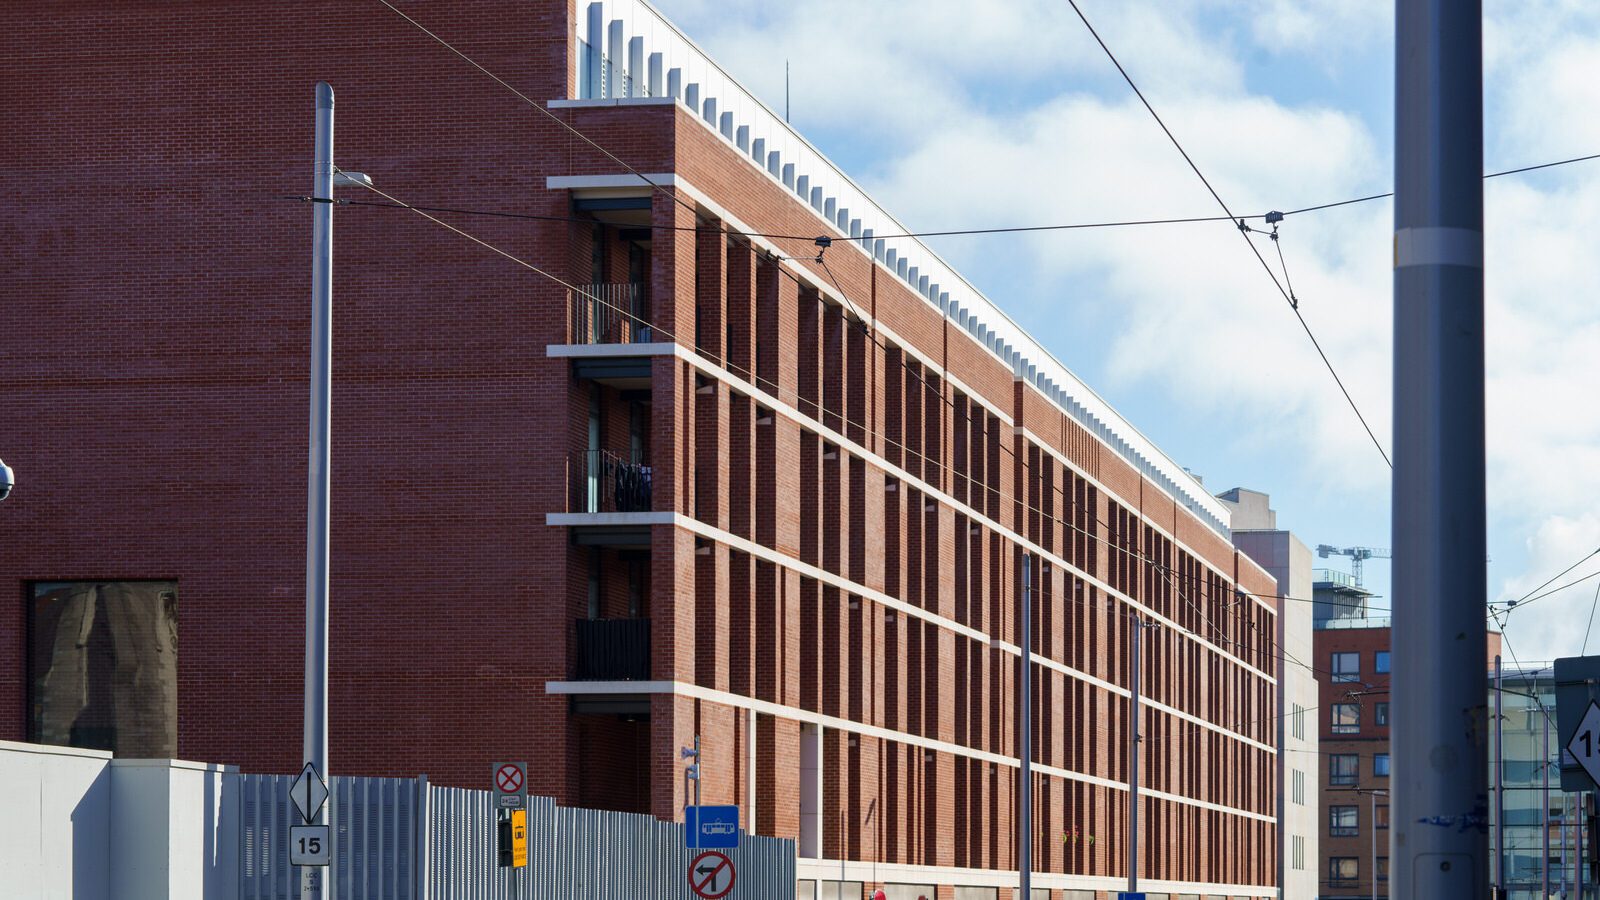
(1357, 555)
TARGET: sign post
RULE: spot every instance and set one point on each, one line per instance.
(511, 814)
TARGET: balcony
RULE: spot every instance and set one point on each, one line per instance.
(612, 650)
(611, 314)
(608, 481)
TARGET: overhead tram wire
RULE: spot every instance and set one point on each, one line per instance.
(671, 195)
(1073, 226)
(1163, 569)
(1517, 171)
(1529, 597)
(1229, 216)
(1160, 567)
(1505, 638)
(1295, 307)
(1229, 729)
(1557, 589)
(822, 243)
(1590, 627)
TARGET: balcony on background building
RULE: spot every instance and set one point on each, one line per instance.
(609, 481)
(607, 492)
(611, 314)
(612, 650)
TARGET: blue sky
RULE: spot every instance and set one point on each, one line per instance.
(955, 115)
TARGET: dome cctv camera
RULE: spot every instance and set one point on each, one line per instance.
(7, 479)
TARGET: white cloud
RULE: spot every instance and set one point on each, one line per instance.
(1320, 27)
(1555, 625)
(1194, 307)
(915, 68)
(1008, 114)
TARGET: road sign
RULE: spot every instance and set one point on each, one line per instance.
(1124, 895)
(712, 827)
(308, 793)
(1577, 688)
(309, 845)
(711, 875)
(511, 785)
(513, 838)
(1585, 742)
(519, 838)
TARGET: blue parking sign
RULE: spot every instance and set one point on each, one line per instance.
(712, 827)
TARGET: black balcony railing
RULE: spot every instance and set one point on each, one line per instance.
(613, 650)
(611, 314)
(608, 481)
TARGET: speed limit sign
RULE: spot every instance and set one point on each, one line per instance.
(309, 845)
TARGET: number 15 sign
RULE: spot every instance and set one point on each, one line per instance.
(1585, 743)
(309, 845)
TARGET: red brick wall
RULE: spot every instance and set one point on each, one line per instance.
(156, 351)
(156, 354)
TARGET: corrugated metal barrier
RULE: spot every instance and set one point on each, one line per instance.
(403, 839)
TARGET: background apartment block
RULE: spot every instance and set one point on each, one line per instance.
(1552, 848)
(1353, 650)
(709, 486)
(1288, 559)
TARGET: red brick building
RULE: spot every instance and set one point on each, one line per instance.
(1353, 659)
(702, 485)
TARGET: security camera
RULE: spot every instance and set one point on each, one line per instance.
(7, 479)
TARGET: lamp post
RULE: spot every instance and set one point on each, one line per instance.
(324, 176)
(1372, 795)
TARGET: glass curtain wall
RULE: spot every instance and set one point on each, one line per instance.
(1527, 698)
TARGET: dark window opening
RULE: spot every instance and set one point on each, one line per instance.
(103, 666)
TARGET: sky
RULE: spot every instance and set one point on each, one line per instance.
(961, 115)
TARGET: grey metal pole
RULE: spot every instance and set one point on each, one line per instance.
(1439, 841)
(1372, 828)
(1499, 782)
(1025, 734)
(1133, 767)
(315, 748)
(1544, 806)
(1580, 824)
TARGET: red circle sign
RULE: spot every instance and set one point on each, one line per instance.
(711, 875)
(508, 779)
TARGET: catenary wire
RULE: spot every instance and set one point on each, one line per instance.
(1234, 730)
(1505, 639)
(1388, 194)
(1529, 597)
(502, 214)
(1218, 639)
(1156, 565)
(1197, 171)
(1256, 252)
(671, 195)
(1590, 627)
(757, 378)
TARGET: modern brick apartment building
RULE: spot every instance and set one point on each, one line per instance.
(706, 486)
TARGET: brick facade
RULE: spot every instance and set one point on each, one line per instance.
(1357, 745)
(841, 481)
